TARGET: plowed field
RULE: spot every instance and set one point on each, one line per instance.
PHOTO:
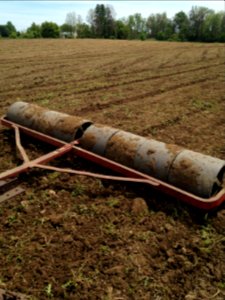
(71, 237)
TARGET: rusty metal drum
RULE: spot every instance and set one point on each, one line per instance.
(197, 173)
(194, 172)
(155, 158)
(23, 113)
(149, 156)
(56, 124)
(122, 147)
(95, 138)
(146, 155)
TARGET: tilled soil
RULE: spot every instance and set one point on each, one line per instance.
(73, 237)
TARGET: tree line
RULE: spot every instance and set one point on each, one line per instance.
(200, 24)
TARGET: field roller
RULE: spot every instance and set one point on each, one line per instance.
(187, 175)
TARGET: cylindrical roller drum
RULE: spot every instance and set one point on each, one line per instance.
(56, 124)
(191, 171)
(146, 155)
(154, 157)
(197, 173)
(95, 138)
(149, 156)
(122, 147)
(194, 172)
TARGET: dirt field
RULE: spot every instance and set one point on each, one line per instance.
(70, 237)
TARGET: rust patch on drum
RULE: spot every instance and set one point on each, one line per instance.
(88, 141)
(174, 149)
(185, 174)
(122, 150)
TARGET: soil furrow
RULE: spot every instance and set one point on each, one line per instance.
(101, 106)
(104, 87)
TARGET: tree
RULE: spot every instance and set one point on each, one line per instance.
(136, 26)
(4, 31)
(159, 26)
(8, 30)
(49, 30)
(34, 31)
(152, 25)
(121, 30)
(102, 21)
(72, 20)
(83, 30)
(11, 28)
(181, 25)
(197, 17)
(212, 27)
(91, 21)
(65, 28)
(110, 22)
(222, 28)
(65, 31)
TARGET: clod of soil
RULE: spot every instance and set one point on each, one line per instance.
(139, 206)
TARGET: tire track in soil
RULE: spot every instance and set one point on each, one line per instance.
(165, 64)
(118, 61)
(161, 76)
(34, 70)
(172, 121)
(145, 79)
(147, 69)
(73, 56)
(108, 74)
(67, 63)
(94, 89)
(99, 106)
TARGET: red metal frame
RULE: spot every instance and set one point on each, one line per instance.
(131, 174)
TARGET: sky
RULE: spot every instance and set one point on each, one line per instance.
(23, 13)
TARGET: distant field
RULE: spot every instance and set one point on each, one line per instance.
(85, 240)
